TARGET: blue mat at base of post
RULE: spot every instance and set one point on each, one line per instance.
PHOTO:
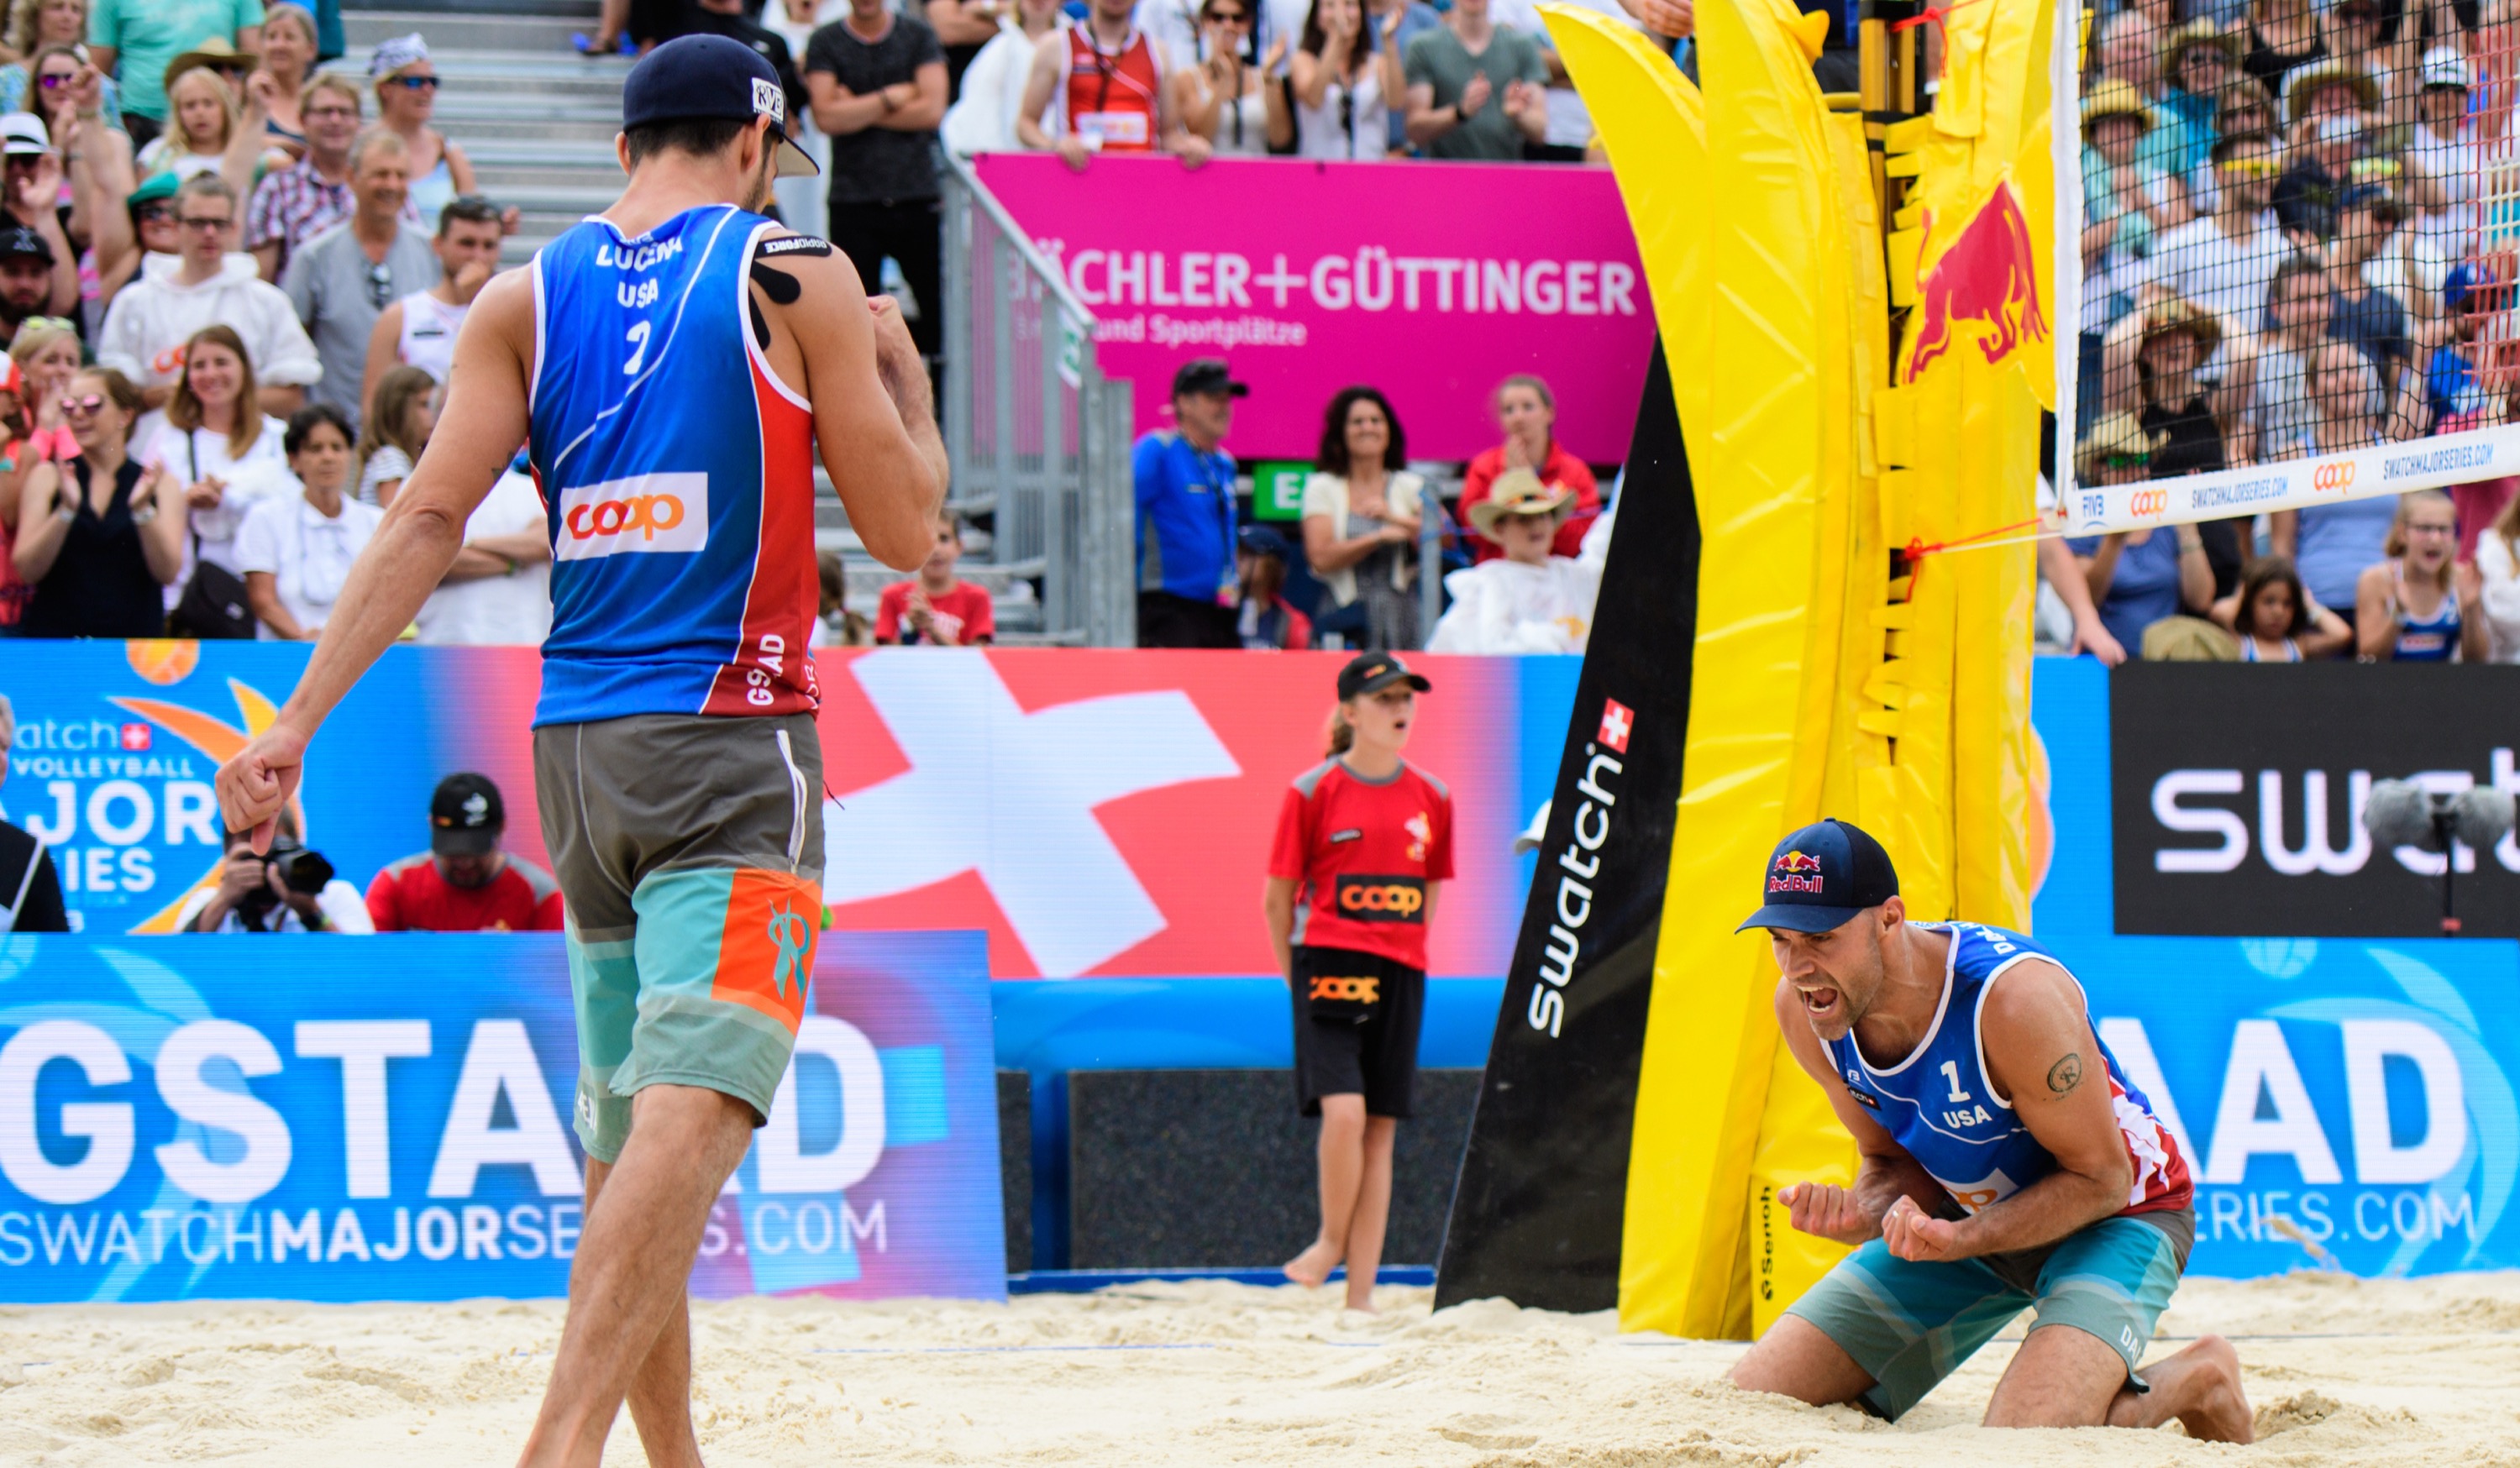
(1086, 1281)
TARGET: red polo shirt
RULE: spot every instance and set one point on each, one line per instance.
(1364, 853)
(411, 897)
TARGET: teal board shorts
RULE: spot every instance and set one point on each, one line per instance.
(1910, 1324)
(689, 852)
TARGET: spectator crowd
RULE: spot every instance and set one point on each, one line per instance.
(2295, 243)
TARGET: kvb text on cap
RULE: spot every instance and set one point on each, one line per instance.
(709, 76)
(1820, 877)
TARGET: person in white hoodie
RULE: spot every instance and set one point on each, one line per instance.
(176, 295)
(1528, 601)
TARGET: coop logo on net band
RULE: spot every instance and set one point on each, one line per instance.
(2336, 474)
(642, 513)
(2150, 503)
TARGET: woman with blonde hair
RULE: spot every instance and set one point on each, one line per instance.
(406, 84)
(2419, 605)
(33, 25)
(404, 414)
(289, 50)
(215, 438)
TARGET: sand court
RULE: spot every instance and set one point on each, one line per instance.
(2342, 1372)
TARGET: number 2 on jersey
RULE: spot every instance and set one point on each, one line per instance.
(1952, 1073)
(638, 340)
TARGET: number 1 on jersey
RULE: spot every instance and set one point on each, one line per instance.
(638, 340)
(1952, 1073)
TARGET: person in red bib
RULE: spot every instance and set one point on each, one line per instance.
(1102, 85)
(1365, 840)
(463, 883)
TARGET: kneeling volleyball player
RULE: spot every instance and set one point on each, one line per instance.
(1365, 840)
(2008, 1165)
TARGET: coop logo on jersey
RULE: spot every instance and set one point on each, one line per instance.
(2337, 475)
(2151, 503)
(1380, 899)
(1795, 872)
(641, 514)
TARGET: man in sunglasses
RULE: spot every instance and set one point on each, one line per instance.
(675, 360)
(342, 279)
(2226, 260)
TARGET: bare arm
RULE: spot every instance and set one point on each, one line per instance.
(924, 107)
(459, 171)
(2039, 1047)
(2327, 634)
(1884, 1172)
(1039, 84)
(1278, 907)
(1314, 73)
(2374, 629)
(266, 256)
(476, 436)
(873, 412)
(2066, 573)
(278, 401)
(40, 531)
(2195, 573)
(2283, 532)
(161, 540)
(961, 22)
(1426, 121)
(2100, 568)
(385, 354)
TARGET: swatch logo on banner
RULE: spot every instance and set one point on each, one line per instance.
(646, 513)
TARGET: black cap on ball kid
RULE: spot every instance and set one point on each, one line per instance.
(466, 816)
(709, 76)
(1820, 877)
(1372, 672)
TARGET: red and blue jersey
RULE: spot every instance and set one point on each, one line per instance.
(678, 471)
(1941, 1106)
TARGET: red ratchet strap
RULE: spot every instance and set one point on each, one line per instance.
(1931, 14)
(1917, 550)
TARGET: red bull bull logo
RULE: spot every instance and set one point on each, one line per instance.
(1985, 276)
(1795, 872)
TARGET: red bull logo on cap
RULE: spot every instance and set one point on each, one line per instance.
(1795, 872)
(1985, 276)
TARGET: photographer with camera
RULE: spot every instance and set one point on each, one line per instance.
(288, 890)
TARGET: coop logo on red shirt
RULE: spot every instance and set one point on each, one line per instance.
(1618, 721)
(643, 513)
(1380, 899)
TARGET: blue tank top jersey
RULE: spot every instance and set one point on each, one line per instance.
(679, 476)
(2422, 639)
(1940, 1106)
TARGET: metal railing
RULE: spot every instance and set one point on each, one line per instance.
(1039, 438)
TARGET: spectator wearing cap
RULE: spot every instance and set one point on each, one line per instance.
(2282, 35)
(2128, 200)
(1264, 619)
(466, 883)
(2136, 577)
(876, 79)
(2226, 260)
(406, 83)
(1527, 599)
(2441, 167)
(293, 204)
(1526, 411)
(144, 227)
(2371, 317)
(31, 886)
(2152, 363)
(935, 608)
(1362, 513)
(1185, 515)
(2195, 67)
(419, 330)
(26, 277)
(2241, 109)
(134, 40)
(344, 279)
(149, 320)
(32, 203)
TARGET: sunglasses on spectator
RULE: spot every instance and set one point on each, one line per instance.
(151, 213)
(2249, 168)
(379, 287)
(416, 83)
(83, 407)
(2126, 461)
(55, 80)
(1228, 16)
(56, 323)
(197, 222)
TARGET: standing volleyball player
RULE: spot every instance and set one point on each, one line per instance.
(1366, 838)
(676, 359)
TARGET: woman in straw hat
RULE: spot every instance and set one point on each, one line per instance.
(2136, 577)
(2151, 368)
(1528, 601)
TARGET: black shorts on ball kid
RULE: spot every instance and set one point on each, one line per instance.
(1375, 1057)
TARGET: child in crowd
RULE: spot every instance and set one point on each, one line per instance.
(936, 607)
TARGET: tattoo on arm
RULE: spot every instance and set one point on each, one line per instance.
(2065, 1074)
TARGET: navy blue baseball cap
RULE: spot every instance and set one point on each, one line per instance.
(1822, 876)
(709, 76)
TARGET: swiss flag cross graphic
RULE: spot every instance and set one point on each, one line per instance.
(135, 737)
(1617, 719)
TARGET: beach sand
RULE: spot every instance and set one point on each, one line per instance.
(2340, 1371)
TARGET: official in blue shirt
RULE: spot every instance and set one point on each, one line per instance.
(1186, 579)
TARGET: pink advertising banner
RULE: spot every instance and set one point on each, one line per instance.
(1430, 280)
